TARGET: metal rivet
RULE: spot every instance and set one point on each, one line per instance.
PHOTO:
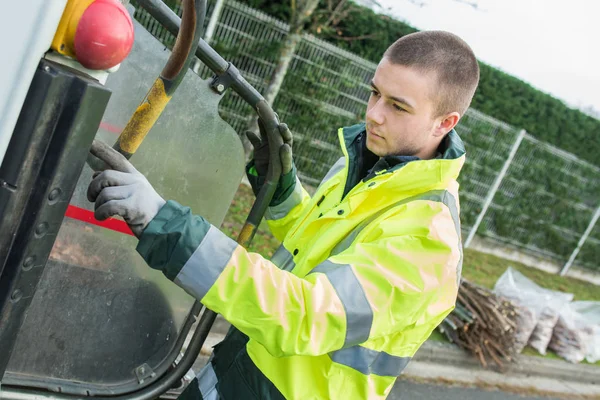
(41, 229)
(340, 212)
(220, 87)
(28, 263)
(16, 296)
(47, 68)
(54, 195)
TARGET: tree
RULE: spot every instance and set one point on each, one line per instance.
(301, 13)
(328, 15)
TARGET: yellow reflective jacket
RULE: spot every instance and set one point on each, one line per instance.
(367, 269)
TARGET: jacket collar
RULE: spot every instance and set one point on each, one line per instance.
(446, 166)
(451, 148)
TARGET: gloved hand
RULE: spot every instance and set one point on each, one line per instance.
(122, 190)
(261, 149)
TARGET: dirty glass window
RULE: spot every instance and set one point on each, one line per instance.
(100, 314)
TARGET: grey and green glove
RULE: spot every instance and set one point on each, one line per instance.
(256, 170)
(122, 190)
(261, 150)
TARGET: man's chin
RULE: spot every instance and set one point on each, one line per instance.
(375, 149)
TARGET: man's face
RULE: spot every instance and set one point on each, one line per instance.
(399, 117)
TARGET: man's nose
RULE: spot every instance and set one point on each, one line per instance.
(375, 114)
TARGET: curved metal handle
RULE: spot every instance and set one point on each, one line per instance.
(167, 18)
(263, 199)
(166, 84)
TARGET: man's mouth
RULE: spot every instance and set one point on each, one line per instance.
(372, 133)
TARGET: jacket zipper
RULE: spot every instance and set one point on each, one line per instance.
(358, 168)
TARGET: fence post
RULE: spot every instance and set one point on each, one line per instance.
(582, 240)
(494, 188)
(214, 19)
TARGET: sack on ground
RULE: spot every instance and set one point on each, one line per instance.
(507, 288)
(544, 303)
(526, 321)
(590, 313)
(571, 336)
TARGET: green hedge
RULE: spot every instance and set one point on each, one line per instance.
(546, 201)
(500, 95)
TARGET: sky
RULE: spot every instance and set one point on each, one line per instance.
(554, 45)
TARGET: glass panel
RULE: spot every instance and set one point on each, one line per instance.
(99, 312)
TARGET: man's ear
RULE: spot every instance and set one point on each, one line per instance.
(446, 124)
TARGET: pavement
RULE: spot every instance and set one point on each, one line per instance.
(444, 362)
(409, 390)
(443, 371)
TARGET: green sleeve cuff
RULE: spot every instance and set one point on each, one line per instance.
(171, 238)
(285, 186)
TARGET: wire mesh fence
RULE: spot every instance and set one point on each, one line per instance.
(488, 143)
(590, 251)
(545, 202)
(542, 205)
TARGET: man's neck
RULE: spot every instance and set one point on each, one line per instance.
(434, 151)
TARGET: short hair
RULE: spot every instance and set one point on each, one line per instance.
(446, 55)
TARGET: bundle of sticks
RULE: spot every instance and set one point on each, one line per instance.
(483, 324)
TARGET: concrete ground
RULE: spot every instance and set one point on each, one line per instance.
(407, 390)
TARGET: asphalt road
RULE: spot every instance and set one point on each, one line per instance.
(406, 390)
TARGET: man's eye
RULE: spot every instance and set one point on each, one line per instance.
(398, 108)
(374, 93)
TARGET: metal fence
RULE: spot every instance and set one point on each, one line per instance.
(514, 188)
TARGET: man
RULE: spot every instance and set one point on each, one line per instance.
(368, 267)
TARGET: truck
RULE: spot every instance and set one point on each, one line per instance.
(81, 315)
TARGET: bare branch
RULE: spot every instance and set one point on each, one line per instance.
(338, 9)
(418, 3)
(353, 38)
(473, 4)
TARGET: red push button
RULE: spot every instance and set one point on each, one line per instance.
(104, 35)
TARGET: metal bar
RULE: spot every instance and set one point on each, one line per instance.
(581, 242)
(494, 188)
(167, 18)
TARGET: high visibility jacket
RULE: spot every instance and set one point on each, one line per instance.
(365, 273)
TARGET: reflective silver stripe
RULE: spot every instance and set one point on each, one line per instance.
(283, 259)
(207, 382)
(370, 361)
(449, 201)
(281, 210)
(206, 264)
(359, 315)
(442, 196)
(339, 165)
